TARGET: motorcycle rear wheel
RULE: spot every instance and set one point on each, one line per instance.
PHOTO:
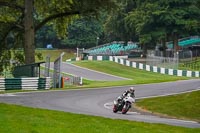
(115, 109)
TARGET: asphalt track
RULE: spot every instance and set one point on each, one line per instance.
(98, 102)
(87, 73)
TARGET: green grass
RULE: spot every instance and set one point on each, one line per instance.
(184, 106)
(18, 119)
(136, 76)
(54, 54)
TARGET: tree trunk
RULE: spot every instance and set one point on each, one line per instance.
(29, 35)
(144, 49)
(164, 46)
(175, 42)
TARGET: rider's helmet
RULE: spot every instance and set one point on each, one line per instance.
(132, 89)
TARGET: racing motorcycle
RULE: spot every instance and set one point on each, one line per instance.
(123, 104)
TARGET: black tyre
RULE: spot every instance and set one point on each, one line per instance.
(115, 109)
(125, 110)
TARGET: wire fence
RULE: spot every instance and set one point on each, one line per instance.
(183, 59)
(72, 80)
(67, 79)
(165, 62)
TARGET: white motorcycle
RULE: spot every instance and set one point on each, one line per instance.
(123, 104)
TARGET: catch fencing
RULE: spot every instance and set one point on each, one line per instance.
(67, 79)
(72, 80)
(165, 62)
(156, 59)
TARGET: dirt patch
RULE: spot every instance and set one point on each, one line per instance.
(147, 112)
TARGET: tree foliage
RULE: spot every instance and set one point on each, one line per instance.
(24, 21)
(23, 18)
(115, 27)
(47, 35)
(159, 19)
(83, 33)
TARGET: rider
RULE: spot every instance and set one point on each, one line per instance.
(130, 90)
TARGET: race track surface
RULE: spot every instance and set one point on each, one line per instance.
(87, 73)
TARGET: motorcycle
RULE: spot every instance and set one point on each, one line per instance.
(123, 104)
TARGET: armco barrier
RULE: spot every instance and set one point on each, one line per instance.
(142, 66)
(44, 83)
(33, 83)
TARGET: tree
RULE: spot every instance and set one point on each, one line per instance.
(183, 17)
(25, 18)
(83, 33)
(160, 19)
(47, 35)
(115, 27)
(143, 19)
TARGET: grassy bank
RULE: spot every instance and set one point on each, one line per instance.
(54, 54)
(184, 106)
(135, 76)
(17, 119)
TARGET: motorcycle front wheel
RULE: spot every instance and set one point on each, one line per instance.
(126, 108)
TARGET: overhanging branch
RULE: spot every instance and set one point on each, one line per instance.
(11, 5)
(55, 16)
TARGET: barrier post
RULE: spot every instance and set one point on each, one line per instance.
(62, 82)
(81, 81)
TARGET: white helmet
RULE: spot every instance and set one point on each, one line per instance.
(131, 89)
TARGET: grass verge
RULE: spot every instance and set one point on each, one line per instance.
(182, 106)
(18, 119)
